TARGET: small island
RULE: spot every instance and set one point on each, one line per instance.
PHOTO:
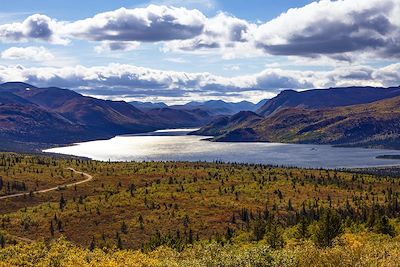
(388, 157)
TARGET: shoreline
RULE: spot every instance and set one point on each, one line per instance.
(164, 158)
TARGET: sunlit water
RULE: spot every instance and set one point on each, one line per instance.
(175, 145)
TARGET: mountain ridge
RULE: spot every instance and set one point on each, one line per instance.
(374, 124)
(324, 98)
(60, 116)
(215, 108)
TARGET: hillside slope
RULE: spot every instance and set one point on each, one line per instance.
(58, 116)
(238, 125)
(326, 98)
(375, 124)
(30, 123)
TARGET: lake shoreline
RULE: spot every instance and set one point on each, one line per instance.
(176, 145)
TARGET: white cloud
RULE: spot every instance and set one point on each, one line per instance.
(390, 74)
(36, 27)
(128, 81)
(339, 29)
(334, 28)
(27, 53)
(225, 34)
(121, 29)
(150, 24)
(130, 78)
(116, 46)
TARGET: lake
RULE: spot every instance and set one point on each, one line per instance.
(176, 145)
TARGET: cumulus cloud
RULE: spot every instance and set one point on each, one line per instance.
(115, 78)
(280, 79)
(390, 74)
(121, 29)
(339, 29)
(150, 24)
(128, 81)
(229, 35)
(333, 28)
(36, 27)
(116, 46)
(27, 53)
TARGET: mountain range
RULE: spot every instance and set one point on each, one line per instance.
(148, 105)
(353, 116)
(34, 115)
(55, 115)
(327, 98)
(214, 107)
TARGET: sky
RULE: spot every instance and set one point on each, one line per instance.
(183, 50)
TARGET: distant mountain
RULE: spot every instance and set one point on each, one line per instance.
(58, 116)
(219, 107)
(182, 118)
(148, 105)
(326, 98)
(375, 124)
(260, 104)
(212, 107)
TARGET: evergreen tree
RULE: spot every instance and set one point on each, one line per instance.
(51, 228)
(124, 228)
(2, 241)
(302, 231)
(190, 237)
(141, 222)
(59, 226)
(259, 230)
(119, 242)
(328, 227)
(274, 234)
(63, 202)
(92, 245)
(383, 226)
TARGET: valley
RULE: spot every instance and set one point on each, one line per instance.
(43, 117)
(366, 118)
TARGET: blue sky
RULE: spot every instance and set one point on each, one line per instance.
(75, 9)
(177, 51)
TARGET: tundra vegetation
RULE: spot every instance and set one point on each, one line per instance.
(195, 214)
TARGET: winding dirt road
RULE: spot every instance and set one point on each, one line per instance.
(88, 179)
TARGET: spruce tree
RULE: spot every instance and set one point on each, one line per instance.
(92, 245)
(51, 228)
(383, 226)
(328, 227)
